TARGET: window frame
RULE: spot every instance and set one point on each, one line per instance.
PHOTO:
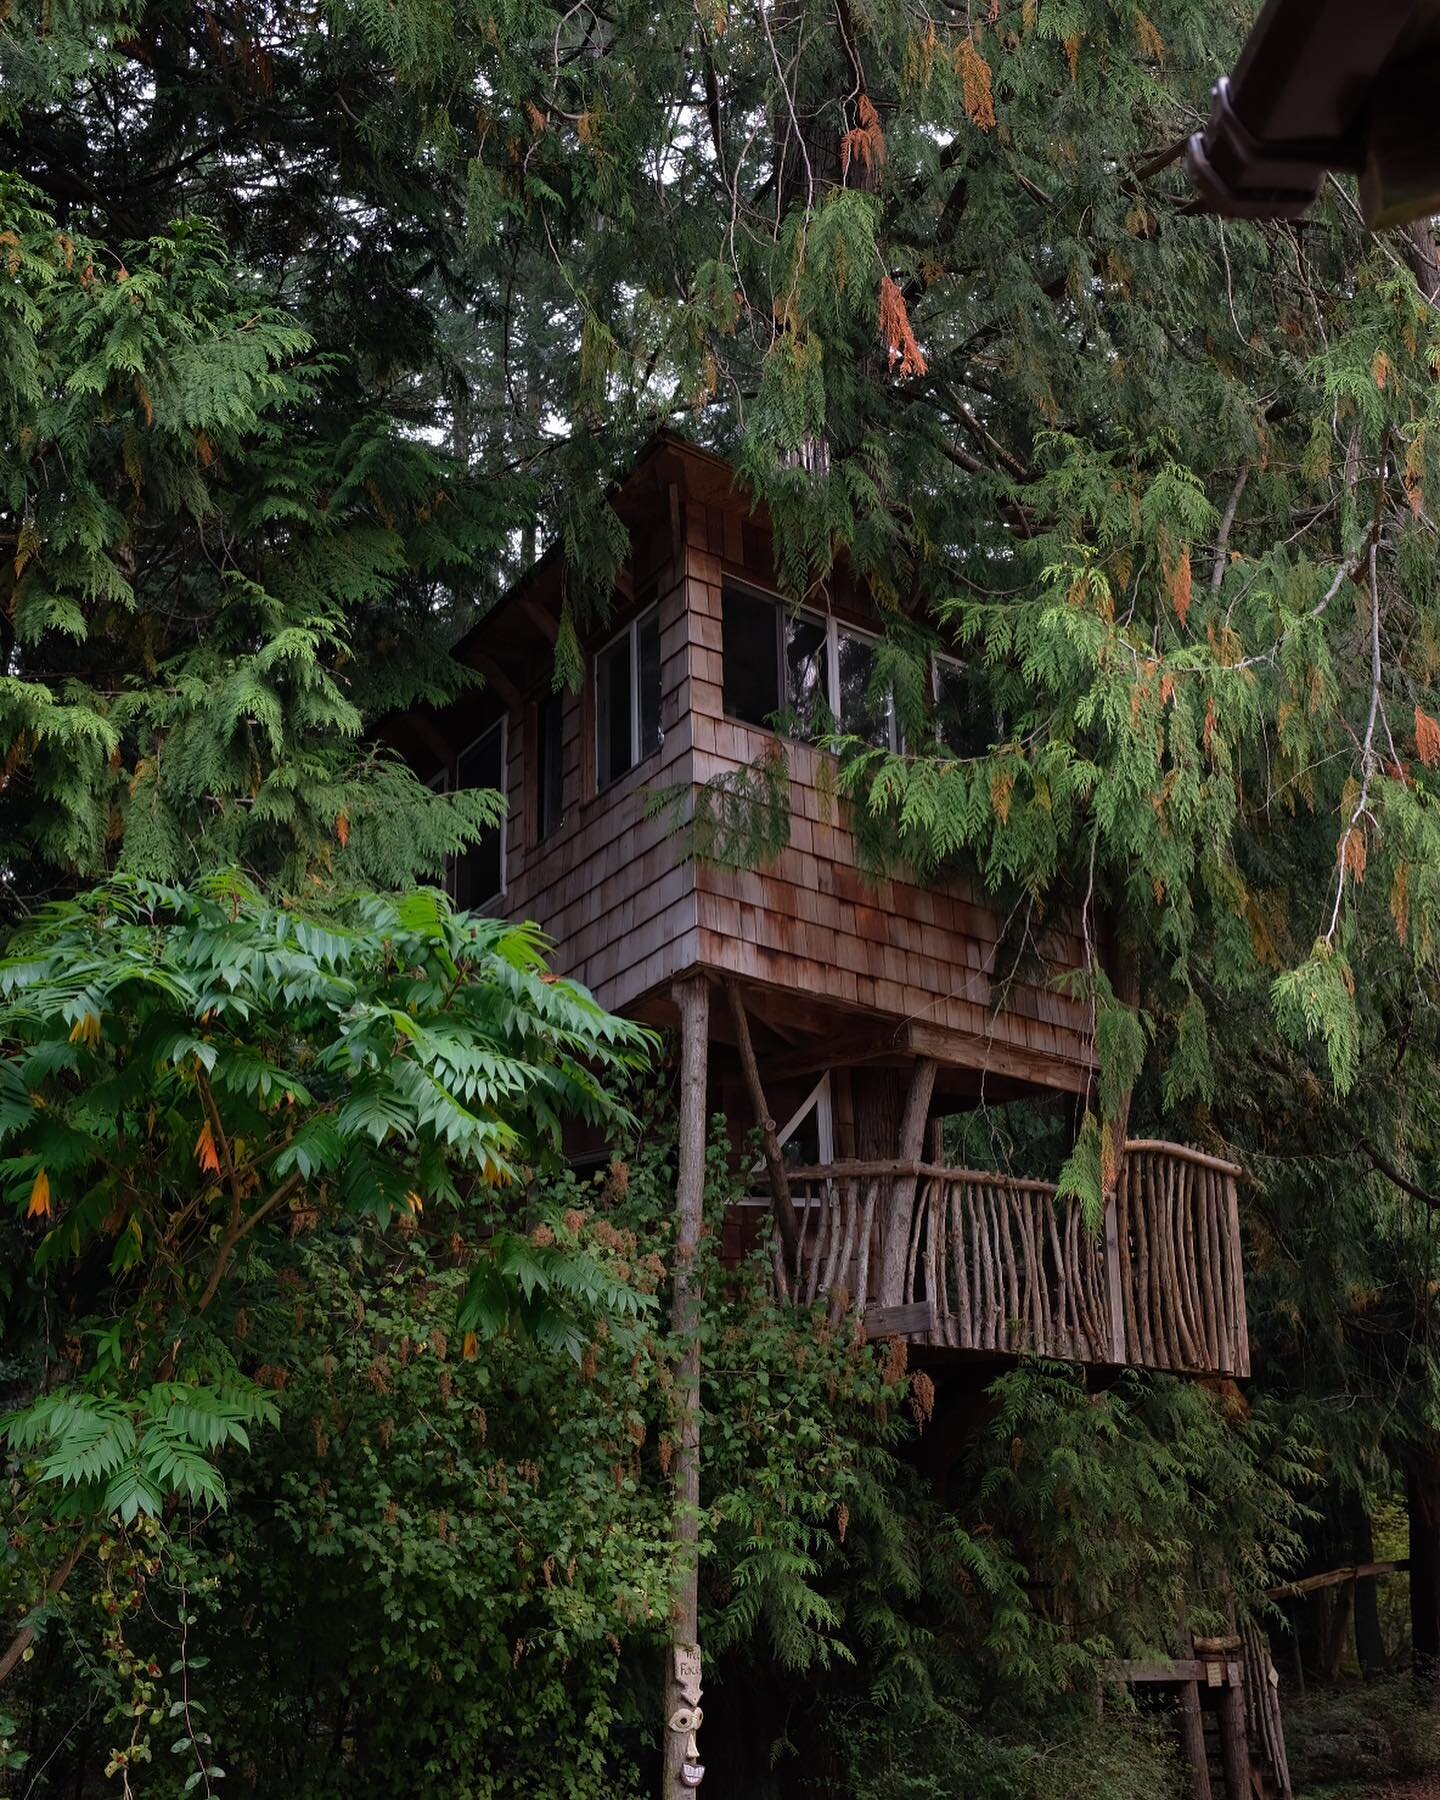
(502, 725)
(961, 667)
(821, 1100)
(541, 834)
(630, 631)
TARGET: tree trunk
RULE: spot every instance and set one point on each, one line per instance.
(1422, 1493)
(1369, 1640)
(1417, 246)
(1192, 1742)
(1234, 1741)
(895, 1246)
(692, 997)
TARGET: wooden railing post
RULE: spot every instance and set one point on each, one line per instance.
(1114, 1292)
(895, 1243)
(1192, 1741)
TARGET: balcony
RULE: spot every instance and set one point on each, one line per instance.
(996, 1264)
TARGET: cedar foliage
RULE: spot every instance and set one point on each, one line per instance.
(1162, 481)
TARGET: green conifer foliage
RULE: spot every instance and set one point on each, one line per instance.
(218, 580)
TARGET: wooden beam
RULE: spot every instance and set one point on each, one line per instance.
(692, 1000)
(1170, 1669)
(846, 1050)
(1334, 1577)
(899, 1321)
(540, 617)
(774, 1163)
(1035, 1067)
(497, 679)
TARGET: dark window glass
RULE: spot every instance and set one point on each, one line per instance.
(862, 711)
(751, 657)
(960, 723)
(549, 765)
(478, 874)
(648, 662)
(806, 689)
(612, 711)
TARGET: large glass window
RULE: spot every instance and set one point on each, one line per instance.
(750, 637)
(960, 723)
(801, 666)
(859, 707)
(807, 672)
(549, 765)
(627, 698)
(477, 875)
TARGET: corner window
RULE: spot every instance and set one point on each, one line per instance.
(803, 666)
(477, 874)
(750, 644)
(960, 724)
(549, 766)
(627, 698)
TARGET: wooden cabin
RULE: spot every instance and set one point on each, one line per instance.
(851, 1012)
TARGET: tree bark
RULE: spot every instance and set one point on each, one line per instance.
(14, 1653)
(896, 1246)
(1192, 1741)
(1417, 246)
(692, 997)
(1234, 1741)
(1369, 1640)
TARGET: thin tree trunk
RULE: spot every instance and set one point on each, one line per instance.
(1369, 1640)
(902, 1198)
(1192, 1742)
(1234, 1742)
(692, 997)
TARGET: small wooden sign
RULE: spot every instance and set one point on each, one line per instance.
(687, 1672)
(916, 1317)
(1214, 1674)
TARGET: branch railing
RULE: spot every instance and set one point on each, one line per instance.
(1005, 1264)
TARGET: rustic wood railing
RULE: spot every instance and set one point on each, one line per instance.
(1003, 1264)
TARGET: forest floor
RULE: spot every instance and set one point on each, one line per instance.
(1410, 1787)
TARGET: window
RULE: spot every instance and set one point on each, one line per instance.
(549, 766)
(749, 635)
(627, 699)
(806, 1139)
(801, 665)
(960, 724)
(477, 875)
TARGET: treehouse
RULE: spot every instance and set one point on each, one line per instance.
(850, 1013)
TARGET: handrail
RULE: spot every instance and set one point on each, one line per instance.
(1007, 1264)
(837, 1171)
(1183, 1153)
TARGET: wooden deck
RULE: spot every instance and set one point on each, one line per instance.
(1003, 1265)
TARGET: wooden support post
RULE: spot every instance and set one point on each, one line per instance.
(895, 1244)
(774, 1165)
(1192, 1741)
(1234, 1741)
(1114, 1288)
(682, 1688)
